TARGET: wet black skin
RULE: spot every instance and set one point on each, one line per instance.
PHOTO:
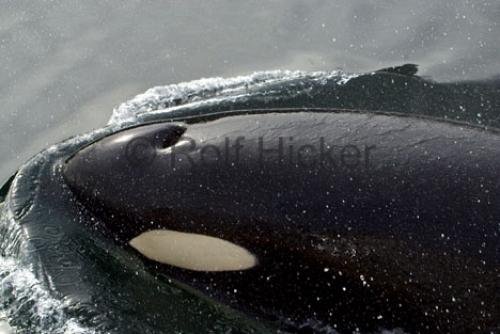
(395, 226)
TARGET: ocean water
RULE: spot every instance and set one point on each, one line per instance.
(66, 69)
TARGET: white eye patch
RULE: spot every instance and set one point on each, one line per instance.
(193, 251)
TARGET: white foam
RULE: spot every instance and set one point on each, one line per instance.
(19, 289)
(162, 98)
(5, 328)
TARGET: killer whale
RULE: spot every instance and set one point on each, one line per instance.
(357, 219)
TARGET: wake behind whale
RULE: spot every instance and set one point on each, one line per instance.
(400, 244)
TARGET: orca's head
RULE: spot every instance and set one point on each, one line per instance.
(115, 171)
(126, 179)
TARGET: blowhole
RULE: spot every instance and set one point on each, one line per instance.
(171, 136)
